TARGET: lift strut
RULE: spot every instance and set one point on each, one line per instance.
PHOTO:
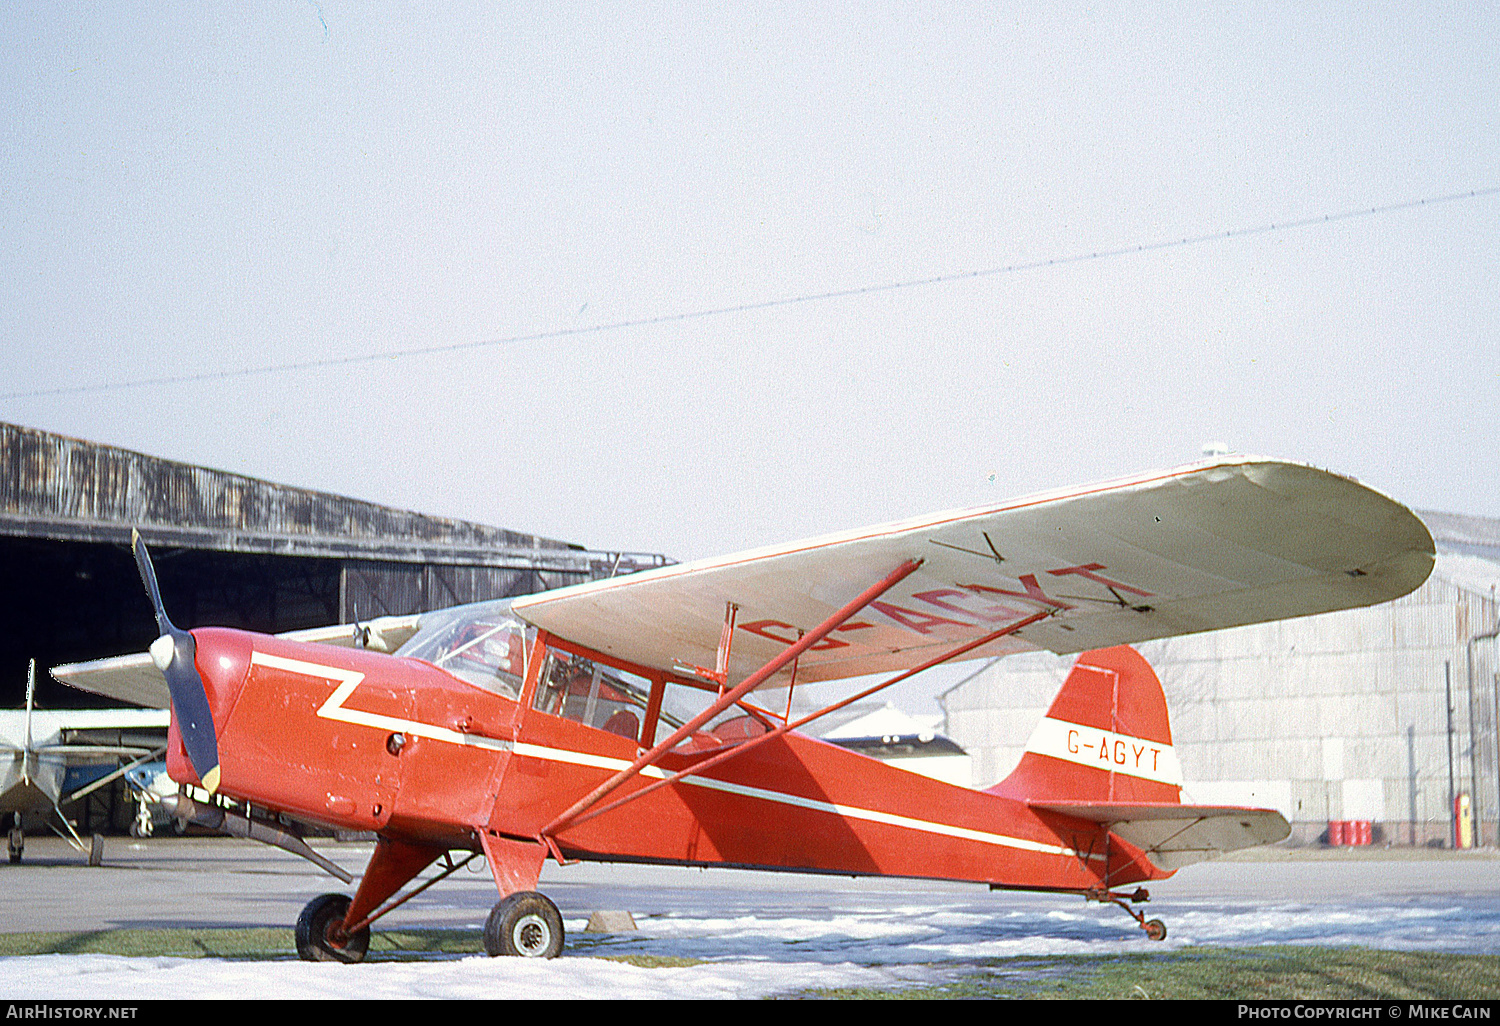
(734, 694)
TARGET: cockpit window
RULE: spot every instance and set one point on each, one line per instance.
(592, 693)
(482, 644)
(682, 702)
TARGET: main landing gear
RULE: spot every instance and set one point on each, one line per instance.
(16, 841)
(321, 936)
(1155, 929)
(527, 924)
(336, 928)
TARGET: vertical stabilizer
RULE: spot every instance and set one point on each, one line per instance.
(1106, 737)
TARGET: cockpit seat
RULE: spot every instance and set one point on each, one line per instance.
(624, 723)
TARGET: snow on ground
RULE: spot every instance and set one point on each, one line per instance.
(473, 977)
(756, 944)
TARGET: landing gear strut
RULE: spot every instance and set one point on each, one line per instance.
(523, 923)
(1155, 929)
(17, 840)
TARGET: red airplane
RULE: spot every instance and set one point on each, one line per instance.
(650, 718)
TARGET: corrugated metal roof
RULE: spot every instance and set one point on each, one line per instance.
(63, 488)
(1458, 532)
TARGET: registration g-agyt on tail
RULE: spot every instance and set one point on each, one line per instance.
(650, 718)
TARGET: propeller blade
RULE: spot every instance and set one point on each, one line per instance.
(174, 654)
(30, 695)
(148, 578)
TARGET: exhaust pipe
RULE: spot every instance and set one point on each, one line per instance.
(181, 807)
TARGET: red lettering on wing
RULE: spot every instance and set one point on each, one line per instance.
(1033, 592)
(1087, 571)
(768, 629)
(991, 613)
(923, 623)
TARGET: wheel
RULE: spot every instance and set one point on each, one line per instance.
(1156, 930)
(142, 826)
(525, 924)
(315, 932)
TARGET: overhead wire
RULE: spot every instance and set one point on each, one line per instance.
(750, 307)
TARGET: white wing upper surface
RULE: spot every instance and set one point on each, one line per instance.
(135, 679)
(1216, 544)
(1212, 545)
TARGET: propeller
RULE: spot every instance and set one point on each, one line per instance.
(174, 653)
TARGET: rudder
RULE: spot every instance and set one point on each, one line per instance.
(1106, 737)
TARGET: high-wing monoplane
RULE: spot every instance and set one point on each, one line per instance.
(49, 759)
(650, 718)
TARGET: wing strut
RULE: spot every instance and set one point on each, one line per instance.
(735, 694)
(740, 749)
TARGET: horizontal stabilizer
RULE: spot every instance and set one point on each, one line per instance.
(1172, 835)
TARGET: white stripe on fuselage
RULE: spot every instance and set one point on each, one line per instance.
(349, 680)
(333, 708)
(782, 798)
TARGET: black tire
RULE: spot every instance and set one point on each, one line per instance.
(1156, 930)
(316, 923)
(525, 924)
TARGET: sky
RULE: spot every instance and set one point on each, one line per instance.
(612, 232)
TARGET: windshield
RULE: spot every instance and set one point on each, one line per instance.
(481, 643)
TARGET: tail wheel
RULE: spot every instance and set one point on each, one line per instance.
(318, 929)
(525, 924)
(1156, 930)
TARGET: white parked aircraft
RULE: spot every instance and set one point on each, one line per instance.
(38, 749)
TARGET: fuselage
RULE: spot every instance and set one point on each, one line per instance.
(504, 733)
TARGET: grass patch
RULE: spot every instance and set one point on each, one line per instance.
(218, 943)
(1261, 973)
(653, 961)
(1217, 974)
(252, 944)
(265, 944)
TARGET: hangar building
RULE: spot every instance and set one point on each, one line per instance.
(230, 551)
(1381, 715)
